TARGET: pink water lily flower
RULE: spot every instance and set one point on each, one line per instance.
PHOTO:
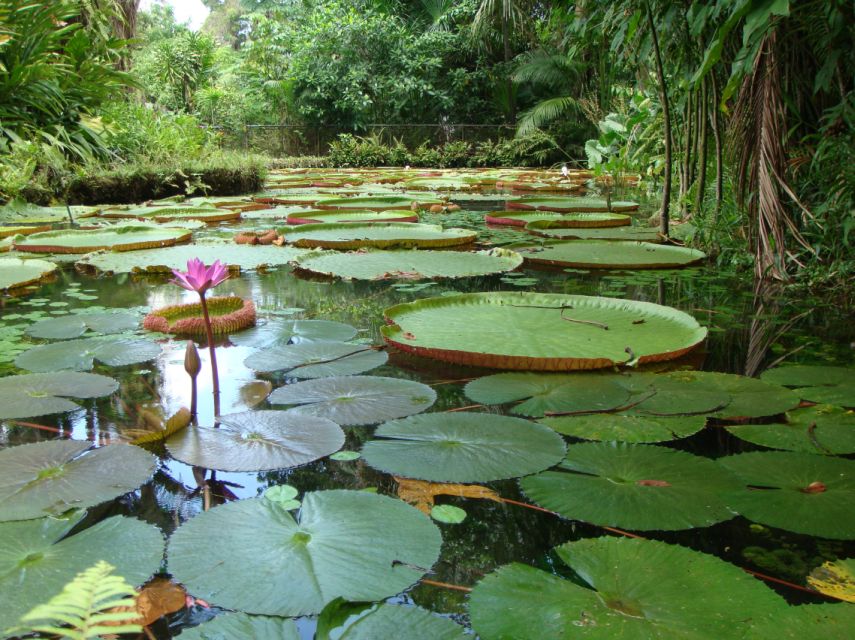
(200, 278)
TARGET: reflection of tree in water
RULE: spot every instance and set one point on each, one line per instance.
(768, 326)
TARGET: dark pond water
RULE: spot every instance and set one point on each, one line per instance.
(748, 331)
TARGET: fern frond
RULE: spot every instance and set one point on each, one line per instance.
(545, 112)
(93, 604)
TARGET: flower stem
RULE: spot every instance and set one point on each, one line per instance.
(214, 373)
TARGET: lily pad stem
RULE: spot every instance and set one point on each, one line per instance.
(214, 374)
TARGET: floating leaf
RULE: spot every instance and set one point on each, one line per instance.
(835, 579)
(80, 355)
(355, 235)
(749, 397)
(15, 273)
(257, 441)
(281, 493)
(119, 238)
(823, 429)
(281, 332)
(317, 359)
(74, 326)
(448, 514)
(317, 217)
(797, 492)
(355, 400)
(626, 428)
(540, 331)
(801, 375)
(641, 487)
(634, 589)
(331, 551)
(421, 494)
(357, 621)
(180, 420)
(675, 393)
(377, 203)
(159, 597)
(806, 622)
(570, 204)
(610, 254)
(548, 229)
(231, 626)
(39, 394)
(345, 456)
(463, 447)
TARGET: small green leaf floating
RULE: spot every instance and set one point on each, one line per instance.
(303, 566)
(282, 332)
(317, 359)
(48, 478)
(358, 621)
(281, 493)
(463, 447)
(621, 427)
(798, 492)
(257, 441)
(447, 513)
(37, 560)
(345, 456)
(76, 325)
(634, 589)
(823, 429)
(39, 394)
(355, 400)
(640, 487)
(80, 354)
(231, 626)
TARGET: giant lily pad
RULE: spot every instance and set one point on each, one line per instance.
(568, 220)
(80, 355)
(209, 214)
(36, 560)
(518, 218)
(39, 394)
(355, 400)
(49, 478)
(571, 204)
(817, 429)
(75, 325)
(257, 441)
(463, 447)
(349, 544)
(536, 331)
(798, 492)
(317, 359)
(20, 212)
(120, 238)
(355, 235)
(610, 254)
(15, 272)
(544, 393)
(622, 427)
(408, 265)
(281, 332)
(551, 228)
(377, 203)
(8, 232)
(633, 590)
(164, 260)
(634, 486)
(317, 217)
(228, 626)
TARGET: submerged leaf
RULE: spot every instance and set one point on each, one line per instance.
(421, 494)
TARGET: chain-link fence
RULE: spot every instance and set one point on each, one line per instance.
(280, 140)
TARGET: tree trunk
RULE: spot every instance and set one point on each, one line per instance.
(666, 113)
(506, 44)
(719, 149)
(702, 147)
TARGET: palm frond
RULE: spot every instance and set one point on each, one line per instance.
(546, 112)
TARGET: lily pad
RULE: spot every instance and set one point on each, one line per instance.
(549, 228)
(377, 203)
(375, 264)
(634, 486)
(610, 254)
(571, 204)
(463, 447)
(823, 429)
(80, 355)
(567, 220)
(74, 326)
(544, 393)
(8, 232)
(355, 235)
(39, 394)
(355, 400)
(518, 218)
(257, 441)
(675, 393)
(121, 238)
(806, 622)
(37, 561)
(825, 384)
(20, 212)
(317, 217)
(282, 332)
(51, 477)
(330, 551)
(208, 214)
(388, 622)
(317, 359)
(229, 626)
(835, 579)
(15, 272)
(538, 331)
(621, 427)
(632, 589)
(797, 492)
(749, 397)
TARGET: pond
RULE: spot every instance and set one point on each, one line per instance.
(605, 499)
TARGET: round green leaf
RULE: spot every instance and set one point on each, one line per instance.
(626, 428)
(80, 355)
(257, 441)
(317, 359)
(841, 394)
(549, 228)
(281, 332)
(634, 590)
(355, 400)
(258, 559)
(806, 622)
(820, 429)
(448, 514)
(354, 235)
(376, 203)
(316, 217)
(388, 622)
(633, 486)
(345, 456)
(798, 492)
(281, 493)
(676, 393)
(802, 375)
(540, 331)
(567, 204)
(463, 447)
(610, 254)
(231, 626)
(119, 238)
(39, 394)
(51, 477)
(74, 326)
(15, 272)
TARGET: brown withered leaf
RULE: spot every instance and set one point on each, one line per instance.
(253, 393)
(421, 494)
(159, 598)
(156, 432)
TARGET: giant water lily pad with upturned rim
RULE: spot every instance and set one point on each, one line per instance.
(610, 254)
(81, 354)
(634, 486)
(8, 232)
(355, 400)
(209, 214)
(257, 441)
(356, 235)
(18, 212)
(49, 478)
(120, 238)
(631, 589)
(566, 220)
(550, 228)
(571, 204)
(227, 314)
(462, 447)
(539, 331)
(38, 558)
(377, 203)
(16, 273)
(344, 544)
(39, 394)
(327, 216)
(822, 429)
(378, 264)
(317, 359)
